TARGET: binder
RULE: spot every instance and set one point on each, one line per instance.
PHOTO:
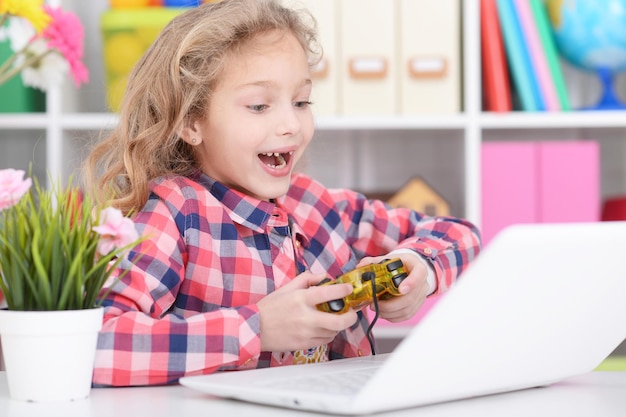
(495, 71)
(545, 34)
(537, 54)
(518, 58)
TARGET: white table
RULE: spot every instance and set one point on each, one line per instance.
(597, 394)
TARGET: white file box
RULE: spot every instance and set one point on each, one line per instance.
(429, 58)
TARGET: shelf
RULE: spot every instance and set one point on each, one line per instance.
(78, 121)
(418, 122)
(553, 120)
(23, 121)
(89, 121)
(513, 120)
(96, 121)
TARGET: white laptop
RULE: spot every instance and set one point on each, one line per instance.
(541, 303)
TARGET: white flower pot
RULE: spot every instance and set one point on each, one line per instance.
(49, 355)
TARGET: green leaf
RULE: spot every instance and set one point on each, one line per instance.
(48, 251)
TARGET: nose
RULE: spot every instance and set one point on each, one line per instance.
(290, 122)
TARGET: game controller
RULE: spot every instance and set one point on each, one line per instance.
(387, 275)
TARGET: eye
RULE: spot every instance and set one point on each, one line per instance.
(258, 108)
(302, 104)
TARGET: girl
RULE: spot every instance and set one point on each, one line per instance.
(215, 118)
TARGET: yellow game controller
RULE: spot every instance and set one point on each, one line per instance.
(386, 276)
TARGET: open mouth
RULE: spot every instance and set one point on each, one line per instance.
(275, 160)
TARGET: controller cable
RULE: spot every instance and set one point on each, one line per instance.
(370, 337)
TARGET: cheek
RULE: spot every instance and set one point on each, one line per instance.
(308, 129)
(307, 137)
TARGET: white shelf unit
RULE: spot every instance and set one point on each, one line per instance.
(368, 153)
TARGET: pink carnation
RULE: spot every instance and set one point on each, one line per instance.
(65, 34)
(115, 230)
(12, 187)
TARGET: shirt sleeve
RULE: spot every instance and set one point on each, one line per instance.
(374, 228)
(144, 340)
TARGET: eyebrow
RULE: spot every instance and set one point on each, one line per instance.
(269, 84)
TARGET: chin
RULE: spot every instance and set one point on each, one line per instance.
(271, 193)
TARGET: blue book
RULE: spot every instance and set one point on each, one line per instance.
(518, 56)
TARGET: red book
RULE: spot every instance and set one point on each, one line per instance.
(495, 75)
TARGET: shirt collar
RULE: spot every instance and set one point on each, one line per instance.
(249, 211)
(242, 208)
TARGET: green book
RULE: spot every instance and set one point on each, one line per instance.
(543, 26)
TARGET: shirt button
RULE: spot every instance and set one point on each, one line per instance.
(247, 362)
(359, 352)
(428, 251)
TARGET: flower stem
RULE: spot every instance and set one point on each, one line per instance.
(4, 68)
(7, 73)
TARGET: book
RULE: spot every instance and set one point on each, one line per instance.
(545, 34)
(495, 71)
(537, 55)
(518, 58)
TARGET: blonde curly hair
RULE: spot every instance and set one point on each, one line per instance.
(171, 87)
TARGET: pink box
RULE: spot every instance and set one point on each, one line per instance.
(539, 182)
(570, 184)
(509, 185)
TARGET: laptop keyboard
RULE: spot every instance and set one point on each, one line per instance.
(339, 382)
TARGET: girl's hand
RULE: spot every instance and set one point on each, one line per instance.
(414, 289)
(290, 319)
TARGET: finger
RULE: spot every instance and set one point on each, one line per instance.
(323, 293)
(417, 295)
(408, 284)
(398, 313)
(402, 308)
(313, 279)
(304, 280)
(368, 260)
(336, 322)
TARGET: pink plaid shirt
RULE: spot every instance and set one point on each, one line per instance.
(188, 306)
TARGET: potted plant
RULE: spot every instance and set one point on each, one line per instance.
(52, 259)
(57, 250)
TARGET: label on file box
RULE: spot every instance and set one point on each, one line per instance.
(427, 66)
(369, 67)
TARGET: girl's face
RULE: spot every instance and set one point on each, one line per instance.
(259, 121)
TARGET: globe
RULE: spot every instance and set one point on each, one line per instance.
(591, 35)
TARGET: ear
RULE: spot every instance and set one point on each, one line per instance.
(191, 134)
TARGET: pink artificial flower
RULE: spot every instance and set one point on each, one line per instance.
(65, 34)
(12, 187)
(115, 230)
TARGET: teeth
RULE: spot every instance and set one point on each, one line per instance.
(278, 157)
(275, 153)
